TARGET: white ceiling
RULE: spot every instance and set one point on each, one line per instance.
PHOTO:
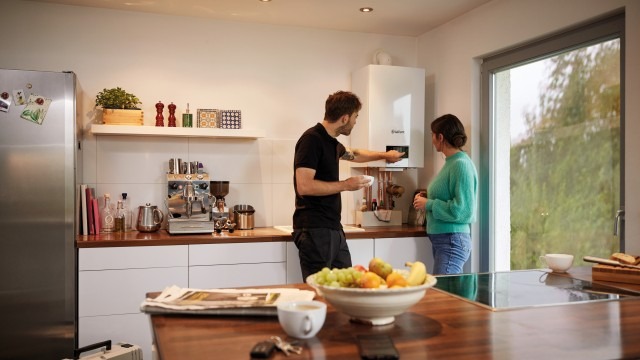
(391, 17)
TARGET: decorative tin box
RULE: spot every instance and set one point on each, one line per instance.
(230, 119)
(208, 118)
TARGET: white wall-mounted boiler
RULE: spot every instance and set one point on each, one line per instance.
(392, 115)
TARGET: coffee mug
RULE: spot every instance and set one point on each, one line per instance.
(302, 319)
(557, 262)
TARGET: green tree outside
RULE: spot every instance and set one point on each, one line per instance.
(565, 174)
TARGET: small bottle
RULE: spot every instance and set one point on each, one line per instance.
(108, 224)
(127, 212)
(120, 217)
(374, 205)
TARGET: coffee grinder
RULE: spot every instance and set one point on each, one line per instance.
(219, 210)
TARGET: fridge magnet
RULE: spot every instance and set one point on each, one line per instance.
(5, 102)
(18, 97)
(207, 118)
(36, 109)
(4, 105)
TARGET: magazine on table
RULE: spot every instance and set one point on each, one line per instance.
(179, 300)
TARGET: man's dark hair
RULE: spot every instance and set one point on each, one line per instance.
(341, 103)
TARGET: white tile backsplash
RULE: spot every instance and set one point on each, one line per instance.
(284, 203)
(137, 159)
(283, 153)
(259, 171)
(239, 161)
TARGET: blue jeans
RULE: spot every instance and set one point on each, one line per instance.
(450, 252)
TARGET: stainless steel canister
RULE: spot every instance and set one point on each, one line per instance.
(243, 216)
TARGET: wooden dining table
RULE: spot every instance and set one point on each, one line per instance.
(440, 326)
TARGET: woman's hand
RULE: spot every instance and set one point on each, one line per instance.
(419, 202)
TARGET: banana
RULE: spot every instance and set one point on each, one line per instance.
(417, 273)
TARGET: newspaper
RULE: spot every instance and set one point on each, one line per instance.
(177, 300)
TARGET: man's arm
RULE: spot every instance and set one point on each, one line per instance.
(361, 155)
(307, 185)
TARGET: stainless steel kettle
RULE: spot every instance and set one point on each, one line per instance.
(149, 218)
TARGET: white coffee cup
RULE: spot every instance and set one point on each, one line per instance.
(302, 319)
(557, 262)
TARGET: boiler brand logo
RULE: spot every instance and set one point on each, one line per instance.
(397, 131)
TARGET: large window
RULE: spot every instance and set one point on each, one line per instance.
(552, 148)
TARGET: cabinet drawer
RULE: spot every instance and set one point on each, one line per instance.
(246, 253)
(135, 257)
(397, 251)
(231, 276)
(122, 291)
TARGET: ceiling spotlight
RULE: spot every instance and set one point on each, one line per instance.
(366, 9)
(264, 0)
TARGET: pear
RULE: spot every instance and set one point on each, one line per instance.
(380, 267)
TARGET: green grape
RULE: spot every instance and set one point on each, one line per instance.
(331, 277)
(335, 284)
(321, 278)
(348, 278)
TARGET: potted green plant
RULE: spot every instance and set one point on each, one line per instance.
(119, 107)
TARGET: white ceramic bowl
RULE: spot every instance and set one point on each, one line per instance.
(372, 306)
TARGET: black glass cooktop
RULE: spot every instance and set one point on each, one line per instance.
(526, 288)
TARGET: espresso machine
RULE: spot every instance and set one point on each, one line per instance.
(188, 198)
(220, 213)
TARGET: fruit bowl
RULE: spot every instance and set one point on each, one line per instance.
(372, 306)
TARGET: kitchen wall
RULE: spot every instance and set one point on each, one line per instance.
(451, 56)
(278, 76)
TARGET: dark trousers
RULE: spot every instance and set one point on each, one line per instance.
(319, 248)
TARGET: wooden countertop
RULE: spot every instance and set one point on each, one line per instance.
(440, 326)
(162, 237)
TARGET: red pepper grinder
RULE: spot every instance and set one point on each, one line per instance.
(172, 115)
(159, 117)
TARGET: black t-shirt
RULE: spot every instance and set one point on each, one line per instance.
(318, 150)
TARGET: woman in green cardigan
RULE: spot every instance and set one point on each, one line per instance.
(450, 203)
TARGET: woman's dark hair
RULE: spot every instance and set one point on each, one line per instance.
(451, 129)
(341, 103)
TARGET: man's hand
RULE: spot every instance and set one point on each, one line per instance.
(393, 156)
(356, 183)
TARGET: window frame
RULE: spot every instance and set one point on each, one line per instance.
(608, 27)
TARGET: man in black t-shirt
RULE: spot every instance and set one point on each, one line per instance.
(317, 230)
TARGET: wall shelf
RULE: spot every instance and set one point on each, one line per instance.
(99, 129)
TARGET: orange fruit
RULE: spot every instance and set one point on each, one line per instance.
(395, 280)
(370, 280)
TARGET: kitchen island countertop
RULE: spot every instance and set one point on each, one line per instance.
(440, 326)
(265, 234)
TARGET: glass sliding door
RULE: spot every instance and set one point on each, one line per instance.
(552, 143)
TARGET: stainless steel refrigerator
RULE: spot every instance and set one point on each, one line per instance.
(39, 169)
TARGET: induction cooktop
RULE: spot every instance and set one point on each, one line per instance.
(526, 288)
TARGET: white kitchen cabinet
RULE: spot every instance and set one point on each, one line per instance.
(112, 283)
(109, 292)
(361, 252)
(236, 265)
(231, 276)
(397, 251)
(392, 114)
